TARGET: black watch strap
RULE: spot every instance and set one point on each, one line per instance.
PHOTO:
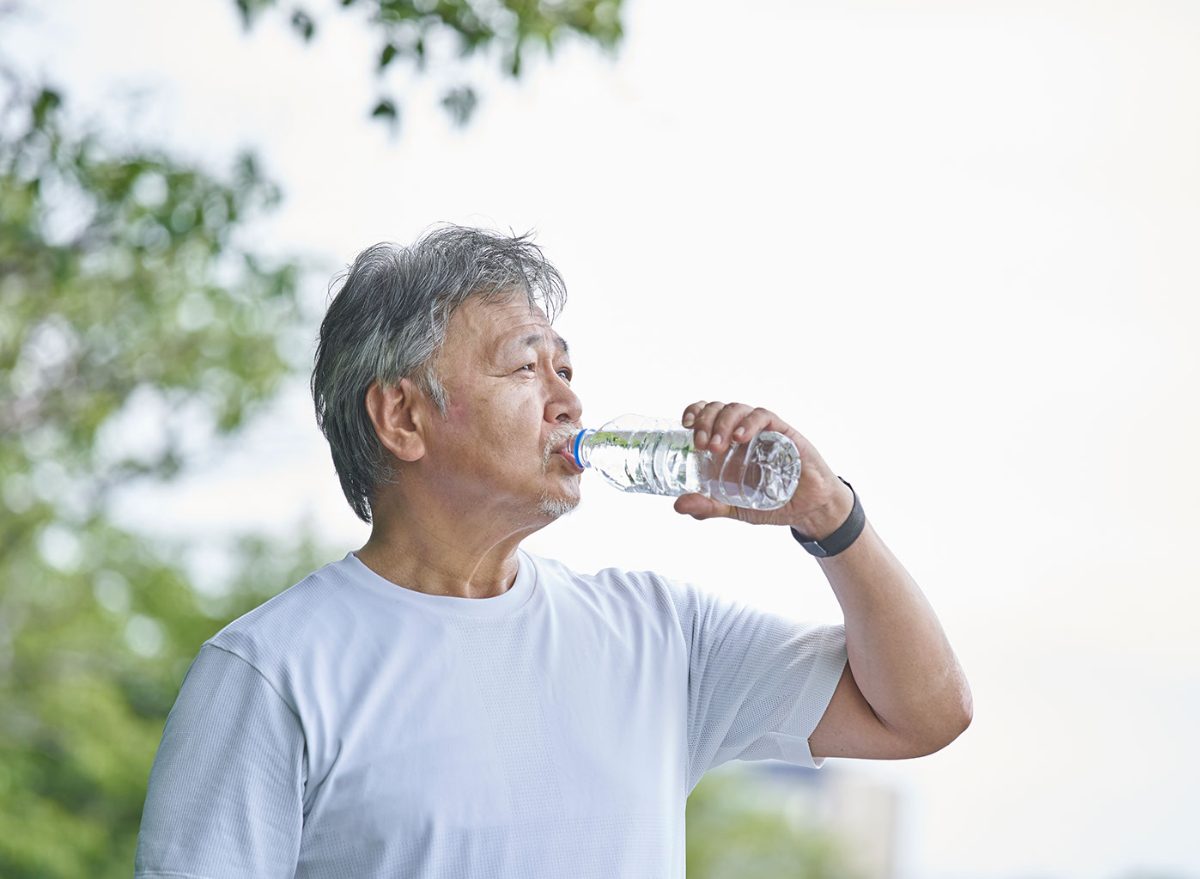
(841, 539)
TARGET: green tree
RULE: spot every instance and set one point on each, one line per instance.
(123, 280)
(414, 34)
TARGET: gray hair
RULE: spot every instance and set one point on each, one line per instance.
(388, 321)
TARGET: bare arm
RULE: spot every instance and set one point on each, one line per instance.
(903, 693)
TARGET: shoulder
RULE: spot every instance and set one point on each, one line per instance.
(648, 591)
(295, 621)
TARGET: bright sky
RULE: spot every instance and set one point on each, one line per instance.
(954, 244)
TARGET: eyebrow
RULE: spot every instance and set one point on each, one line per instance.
(532, 340)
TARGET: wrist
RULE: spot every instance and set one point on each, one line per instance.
(830, 516)
(842, 537)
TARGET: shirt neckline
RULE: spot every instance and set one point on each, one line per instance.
(448, 605)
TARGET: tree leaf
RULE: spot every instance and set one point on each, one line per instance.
(387, 56)
(460, 103)
(249, 10)
(303, 24)
(384, 109)
(46, 102)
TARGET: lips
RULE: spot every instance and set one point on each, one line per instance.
(565, 449)
(569, 457)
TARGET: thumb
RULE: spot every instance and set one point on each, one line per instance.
(699, 506)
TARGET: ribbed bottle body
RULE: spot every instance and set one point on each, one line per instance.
(654, 456)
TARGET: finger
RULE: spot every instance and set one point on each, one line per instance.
(753, 424)
(726, 422)
(703, 423)
(690, 413)
(700, 506)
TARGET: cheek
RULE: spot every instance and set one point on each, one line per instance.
(505, 414)
(458, 413)
(462, 405)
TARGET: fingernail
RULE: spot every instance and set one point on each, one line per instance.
(687, 420)
(701, 438)
(716, 439)
(739, 432)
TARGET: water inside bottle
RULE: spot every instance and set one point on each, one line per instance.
(647, 461)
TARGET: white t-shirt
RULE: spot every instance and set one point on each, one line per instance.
(352, 727)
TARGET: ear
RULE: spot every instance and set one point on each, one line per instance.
(398, 413)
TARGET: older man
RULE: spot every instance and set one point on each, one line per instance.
(440, 703)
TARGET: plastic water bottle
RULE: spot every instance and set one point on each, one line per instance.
(656, 456)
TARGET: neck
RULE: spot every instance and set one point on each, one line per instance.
(443, 552)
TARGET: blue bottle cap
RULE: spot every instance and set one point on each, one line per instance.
(575, 448)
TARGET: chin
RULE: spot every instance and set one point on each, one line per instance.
(556, 507)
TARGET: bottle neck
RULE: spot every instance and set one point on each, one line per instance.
(582, 449)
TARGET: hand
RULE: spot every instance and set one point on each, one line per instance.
(821, 502)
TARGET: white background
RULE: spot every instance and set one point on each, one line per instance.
(954, 244)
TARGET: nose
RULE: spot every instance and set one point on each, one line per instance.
(563, 405)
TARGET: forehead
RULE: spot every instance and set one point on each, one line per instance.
(490, 328)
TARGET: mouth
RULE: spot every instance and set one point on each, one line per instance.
(569, 456)
(563, 447)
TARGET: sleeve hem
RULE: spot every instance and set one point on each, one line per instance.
(811, 707)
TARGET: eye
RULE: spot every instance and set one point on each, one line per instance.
(566, 372)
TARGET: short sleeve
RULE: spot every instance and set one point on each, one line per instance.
(225, 797)
(758, 683)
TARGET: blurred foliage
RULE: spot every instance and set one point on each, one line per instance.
(123, 283)
(447, 32)
(734, 831)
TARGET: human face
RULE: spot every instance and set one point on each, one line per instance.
(511, 409)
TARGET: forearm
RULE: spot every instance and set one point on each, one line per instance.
(898, 653)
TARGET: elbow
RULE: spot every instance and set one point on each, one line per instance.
(942, 724)
(966, 708)
(953, 719)
(962, 714)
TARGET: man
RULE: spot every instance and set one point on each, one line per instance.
(440, 703)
